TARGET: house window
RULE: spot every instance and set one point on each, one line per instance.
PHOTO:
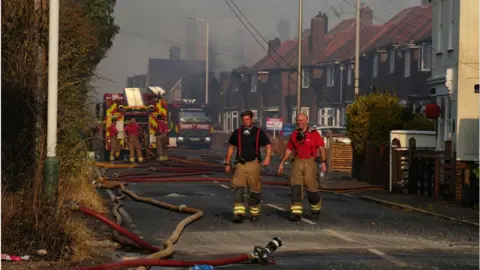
(391, 59)
(375, 65)
(328, 117)
(255, 115)
(305, 78)
(227, 121)
(425, 59)
(253, 85)
(349, 75)
(177, 94)
(331, 76)
(234, 120)
(407, 63)
(235, 87)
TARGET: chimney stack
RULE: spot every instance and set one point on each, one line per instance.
(175, 53)
(366, 15)
(273, 45)
(318, 30)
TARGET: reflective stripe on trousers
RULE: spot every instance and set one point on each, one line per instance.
(255, 210)
(296, 209)
(239, 209)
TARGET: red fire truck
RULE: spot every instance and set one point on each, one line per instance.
(144, 107)
(190, 123)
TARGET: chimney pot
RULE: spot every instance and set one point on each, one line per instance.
(273, 45)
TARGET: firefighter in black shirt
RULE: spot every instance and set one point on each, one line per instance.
(247, 139)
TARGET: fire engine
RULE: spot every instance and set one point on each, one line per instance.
(191, 123)
(144, 107)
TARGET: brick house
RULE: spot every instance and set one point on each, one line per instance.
(269, 86)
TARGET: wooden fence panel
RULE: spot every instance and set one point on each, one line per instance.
(341, 157)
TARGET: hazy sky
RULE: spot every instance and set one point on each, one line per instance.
(149, 27)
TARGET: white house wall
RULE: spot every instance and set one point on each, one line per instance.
(467, 111)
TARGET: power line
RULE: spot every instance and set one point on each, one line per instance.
(408, 36)
(273, 49)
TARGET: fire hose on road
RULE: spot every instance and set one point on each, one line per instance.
(259, 255)
(184, 171)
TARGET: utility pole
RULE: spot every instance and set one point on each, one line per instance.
(357, 49)
(52, 163)
(206, 61)
(299, 64)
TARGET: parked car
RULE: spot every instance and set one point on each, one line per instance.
(287, 130)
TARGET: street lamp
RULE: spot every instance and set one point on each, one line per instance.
(206, 54)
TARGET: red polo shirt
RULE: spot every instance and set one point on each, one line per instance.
(133, 129)
(309, 147)
(113, 130)
(162, 126)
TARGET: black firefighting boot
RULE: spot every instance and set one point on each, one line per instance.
(239, 209)
(296, 207)
(254, 203)
(315, 203)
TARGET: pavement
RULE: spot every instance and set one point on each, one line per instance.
(350, 234)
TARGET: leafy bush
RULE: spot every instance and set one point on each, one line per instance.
(420, 122)
(372, 117)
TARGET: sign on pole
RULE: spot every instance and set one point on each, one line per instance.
(274, 124)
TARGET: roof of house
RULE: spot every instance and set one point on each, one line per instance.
(409, 25)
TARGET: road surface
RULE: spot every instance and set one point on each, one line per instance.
(350, 233)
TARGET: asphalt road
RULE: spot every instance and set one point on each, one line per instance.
(350, 233)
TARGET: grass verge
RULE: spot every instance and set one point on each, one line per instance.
(30, 224)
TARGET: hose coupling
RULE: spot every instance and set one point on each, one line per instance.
(181, 208)
(262, 254)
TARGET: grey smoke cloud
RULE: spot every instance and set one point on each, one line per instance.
(150, 27)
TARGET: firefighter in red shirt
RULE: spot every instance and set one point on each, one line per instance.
(307, 143)
(161, 137)
(114, 141)
(133, 131)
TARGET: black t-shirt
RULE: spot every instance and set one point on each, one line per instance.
(248, 143)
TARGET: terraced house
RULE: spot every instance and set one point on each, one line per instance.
(395, 56)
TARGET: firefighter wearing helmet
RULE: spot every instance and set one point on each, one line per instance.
(114, 141)
(247, 139)
(133, 131)
(309, 154)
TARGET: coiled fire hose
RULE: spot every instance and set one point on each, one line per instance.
(260, 254)
(187, 167)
